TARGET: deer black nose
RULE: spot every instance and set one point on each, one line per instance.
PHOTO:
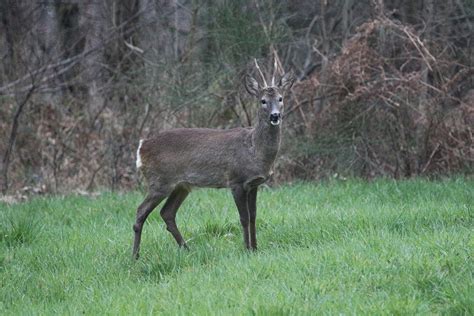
(275, 118)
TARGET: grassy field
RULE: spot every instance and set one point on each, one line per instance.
(349, 247)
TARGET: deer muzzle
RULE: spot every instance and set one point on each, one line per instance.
(275, 118)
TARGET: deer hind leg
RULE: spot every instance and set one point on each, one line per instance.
(252, 205)
(148, 205)
(241, 200)
(169, 210)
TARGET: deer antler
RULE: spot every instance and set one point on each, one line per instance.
(275, 67)
(261, 74)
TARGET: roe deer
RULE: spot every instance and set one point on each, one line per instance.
(241, 159)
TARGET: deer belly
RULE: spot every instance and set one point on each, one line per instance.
(206, 180)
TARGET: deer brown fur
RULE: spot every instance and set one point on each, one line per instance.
(241, 159)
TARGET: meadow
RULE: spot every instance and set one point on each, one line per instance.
(338, 247)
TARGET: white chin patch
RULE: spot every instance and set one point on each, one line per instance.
(275, 123)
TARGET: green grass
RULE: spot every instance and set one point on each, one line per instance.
(349, 247)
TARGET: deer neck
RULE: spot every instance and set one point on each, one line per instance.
(266, 140)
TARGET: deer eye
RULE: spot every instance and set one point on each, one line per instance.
(280, 99)
(264, 102)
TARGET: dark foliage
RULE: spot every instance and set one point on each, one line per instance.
(385, 87)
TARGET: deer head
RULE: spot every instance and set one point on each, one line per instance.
(271, 97)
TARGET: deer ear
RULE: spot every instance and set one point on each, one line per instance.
(251, 85)
(287, 81)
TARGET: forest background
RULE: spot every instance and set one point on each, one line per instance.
(385, 88)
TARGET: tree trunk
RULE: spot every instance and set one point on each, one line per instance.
(93, 25)
(422, 124)
(47, 36)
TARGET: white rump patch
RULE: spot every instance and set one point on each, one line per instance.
(139, 159)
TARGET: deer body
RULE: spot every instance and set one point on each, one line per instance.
(241, 159)
(199, 157)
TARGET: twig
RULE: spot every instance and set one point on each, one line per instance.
(247, 116)
(429, 159)
(12, 138)
(147, 114)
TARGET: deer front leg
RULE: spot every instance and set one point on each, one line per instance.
(241, 200)
(150, 202)
(252, 205)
